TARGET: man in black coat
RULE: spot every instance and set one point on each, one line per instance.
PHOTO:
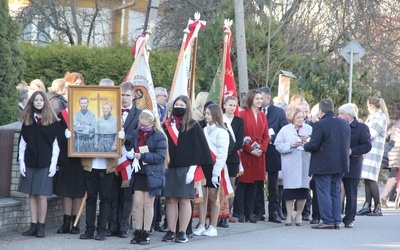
(329, 147)
(360, 143)
(276, 118)
(121, 198)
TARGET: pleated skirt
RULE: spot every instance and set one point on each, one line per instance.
(36, 182)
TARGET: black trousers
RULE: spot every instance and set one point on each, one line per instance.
(259, 203)
(273, 194)
(245, 193)
(121, 206)
(315, 208)
(98, 183)
(350, 190)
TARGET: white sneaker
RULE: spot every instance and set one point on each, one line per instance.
(211, 231)
(199, 231)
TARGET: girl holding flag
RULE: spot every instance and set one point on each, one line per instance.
(218, 140)
(187, 148)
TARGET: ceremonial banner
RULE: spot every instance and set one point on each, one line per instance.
(183, 78)
(224, 84)
(140, 76)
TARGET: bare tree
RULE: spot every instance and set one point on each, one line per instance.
(64, 20)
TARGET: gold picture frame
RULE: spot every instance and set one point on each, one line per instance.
(94, 119)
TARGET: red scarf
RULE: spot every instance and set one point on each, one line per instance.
(178, 122)
(142, 136)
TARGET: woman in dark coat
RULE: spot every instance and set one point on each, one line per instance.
(187, 148)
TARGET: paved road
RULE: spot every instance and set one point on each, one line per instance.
(368, 233)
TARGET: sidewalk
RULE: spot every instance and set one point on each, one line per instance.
(368, 233)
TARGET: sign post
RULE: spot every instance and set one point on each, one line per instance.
(352, 53)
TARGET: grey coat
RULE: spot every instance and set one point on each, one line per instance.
(295, 161)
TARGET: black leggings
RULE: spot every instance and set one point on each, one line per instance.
(371, 191)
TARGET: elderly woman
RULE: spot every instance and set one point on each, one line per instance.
(295, 162)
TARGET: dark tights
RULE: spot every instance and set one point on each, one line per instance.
(371, 191)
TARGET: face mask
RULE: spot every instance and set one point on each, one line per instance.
(145, 128)
(179, 112)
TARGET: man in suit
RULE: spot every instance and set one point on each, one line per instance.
(329, 146)
(161, 99)
(121, 198)
(276, 119)
(360, 143)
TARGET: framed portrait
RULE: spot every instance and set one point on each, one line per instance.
(94, 119)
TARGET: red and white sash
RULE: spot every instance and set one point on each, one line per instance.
(199, 178)
(225, 182)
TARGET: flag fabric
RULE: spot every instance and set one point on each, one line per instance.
(124, 168)
(224, 83)
(140, 76)
(183, 67)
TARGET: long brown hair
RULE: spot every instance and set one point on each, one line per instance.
(216, 115)
(48, 116)
(187, 120)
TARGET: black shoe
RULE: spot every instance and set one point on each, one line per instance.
(74, 230)
(224, 223)
(259, 217)
(157, 226)
(251, 219)
(366, 209)
(241, 218)
(314, 221)
(122, 234)
(100, 236)
(110, 233)
(145, 238)
(307, 218)
(32, 230)
(219, 223)
(65, 228)
(164, 228)
(88, 235)
(181, 237)
(281, 215)
(40, 230)
(137, 237)
(169, 236)
(274, 219)
(336, 226)
(348, 225)
(323, 226)
(377, 211)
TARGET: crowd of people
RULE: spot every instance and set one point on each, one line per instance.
(210, 162)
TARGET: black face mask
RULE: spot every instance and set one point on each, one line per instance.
(179, 112)
(37, 111)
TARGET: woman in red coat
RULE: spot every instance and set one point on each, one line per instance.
(253, 155)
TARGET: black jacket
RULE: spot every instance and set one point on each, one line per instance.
(276, 118)
(360, 144)
(329, 146)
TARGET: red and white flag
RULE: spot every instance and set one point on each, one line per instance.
(224, 81)
(183, 67)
